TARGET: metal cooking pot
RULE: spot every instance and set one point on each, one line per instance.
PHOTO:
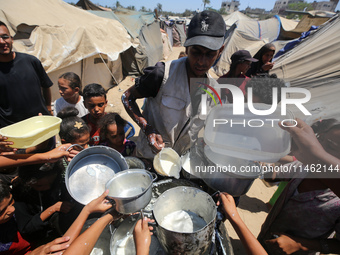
(131, 190)
(122, 239)
(191, 200)
(90, 170)
(236, 184)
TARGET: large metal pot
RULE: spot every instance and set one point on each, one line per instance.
(191, 200)
(90, 170)
(131, 190)
(122, 239)
(221, 177)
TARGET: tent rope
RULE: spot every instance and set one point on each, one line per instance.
(108, 69)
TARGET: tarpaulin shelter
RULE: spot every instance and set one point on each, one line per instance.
(145, 30)
(247, 34)
(88, 5)
(66, 38)
(234, 17)
(314, 64)
(311, 18)
(176, 30)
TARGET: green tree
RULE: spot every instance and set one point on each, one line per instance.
(300, 6)
(131, 7)
(222, 11)
(142, 9)
(205, 2)
(187, 13)
(118, 5)
(159, 7)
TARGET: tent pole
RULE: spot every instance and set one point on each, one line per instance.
(108, 69)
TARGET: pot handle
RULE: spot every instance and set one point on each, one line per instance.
(155, 177)
(73, 145)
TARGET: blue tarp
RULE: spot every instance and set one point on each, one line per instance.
(293, 43)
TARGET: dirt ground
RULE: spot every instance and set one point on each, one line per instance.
(252, 206)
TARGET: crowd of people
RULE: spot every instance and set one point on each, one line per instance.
(38, 215)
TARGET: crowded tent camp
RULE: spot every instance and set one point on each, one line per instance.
(146, 131)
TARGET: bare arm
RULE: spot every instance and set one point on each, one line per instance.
(129, 98)
(252, 246)
(56, 247)
(14, 160)
(97, 205)
(286, 244)
(308, 150)
(142, 236)
(48, 98)
(86, 241)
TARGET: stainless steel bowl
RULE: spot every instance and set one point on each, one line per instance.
(90, 170)
(131, 190)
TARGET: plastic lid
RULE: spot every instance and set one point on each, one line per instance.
(248, 136)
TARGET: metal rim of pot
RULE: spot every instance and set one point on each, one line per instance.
(108, 152)
(136, 202)
(180, 187)
(176, 242)
(130, 171)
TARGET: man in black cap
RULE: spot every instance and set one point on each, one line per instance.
(167, 117)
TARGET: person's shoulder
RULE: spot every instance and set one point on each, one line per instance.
(20, 55)
(159, 67)
(60, 100)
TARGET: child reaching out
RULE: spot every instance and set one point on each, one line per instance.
(70, 91)
(112, 134)
(11, 241)
(39, 197)
(95, 102)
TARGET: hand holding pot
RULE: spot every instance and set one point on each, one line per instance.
(228, 205)
(142, 236)
(100, 204)
(154, 138)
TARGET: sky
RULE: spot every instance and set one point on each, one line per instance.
(180, 5)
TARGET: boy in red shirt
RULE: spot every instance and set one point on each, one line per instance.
(95, 102)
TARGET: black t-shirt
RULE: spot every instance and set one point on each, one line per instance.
(21, 81)
(149, 84)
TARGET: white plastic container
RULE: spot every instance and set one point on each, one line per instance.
(248, 136)
(167, 163)
(32, 131)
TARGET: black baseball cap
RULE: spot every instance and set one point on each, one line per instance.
(242, 55)
(206, 29)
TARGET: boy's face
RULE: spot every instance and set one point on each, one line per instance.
(6, 209)
(200, 59)
(65, 90)
(96, 106)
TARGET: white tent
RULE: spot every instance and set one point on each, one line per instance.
(247, 34)
(66, 38)
(234, 17)
(314, 64)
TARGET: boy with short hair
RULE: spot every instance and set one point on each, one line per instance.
(95, 102)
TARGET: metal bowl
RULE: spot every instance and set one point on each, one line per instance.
(135, 163)
(122, 239)
(90, 170)
(131, 190)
